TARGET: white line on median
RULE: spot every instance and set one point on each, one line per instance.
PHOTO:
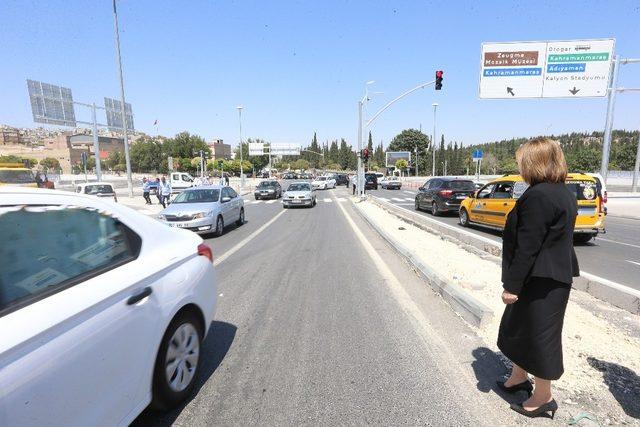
(327, 200)
(619, 243)
(270, 201)
(397, 199)
(246, 240)
(633, 262)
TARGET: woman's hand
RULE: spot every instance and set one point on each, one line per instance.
(508, 297)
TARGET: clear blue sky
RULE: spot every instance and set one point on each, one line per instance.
(300, 66)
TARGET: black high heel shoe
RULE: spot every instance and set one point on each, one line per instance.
(523, 386)
(538, 412)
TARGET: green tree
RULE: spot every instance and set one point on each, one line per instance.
(50, 163)
(146, 155)
(258, 162)
(185, 145)
(301, 164)
(410, 140)
(402, 165)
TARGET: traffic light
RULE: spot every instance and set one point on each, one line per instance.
(365, 154)
(439, 74)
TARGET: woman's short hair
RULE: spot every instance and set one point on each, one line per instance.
(541, 160)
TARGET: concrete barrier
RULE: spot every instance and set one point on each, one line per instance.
(605, 290)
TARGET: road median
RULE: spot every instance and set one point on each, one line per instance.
(600, 341)
(613, 293)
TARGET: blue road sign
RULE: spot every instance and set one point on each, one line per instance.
(477, 154)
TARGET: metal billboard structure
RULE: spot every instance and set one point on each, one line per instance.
(393, 156)
(51, 104)
(114, 114)
(284, 149)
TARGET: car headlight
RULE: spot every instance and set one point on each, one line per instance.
(271, 191)
(199, 215)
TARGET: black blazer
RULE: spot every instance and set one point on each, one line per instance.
(538, 237)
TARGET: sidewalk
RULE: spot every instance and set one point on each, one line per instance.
(601, 342)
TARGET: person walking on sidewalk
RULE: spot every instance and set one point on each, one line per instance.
(538, 267)
(146, 188)
(165, 192)
(158, 192)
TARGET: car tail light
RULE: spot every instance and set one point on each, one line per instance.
(204, 250)
(445, 193)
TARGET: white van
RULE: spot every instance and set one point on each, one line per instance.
(180, 181)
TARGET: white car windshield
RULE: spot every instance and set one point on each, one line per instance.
(299, 187)
(198, 196)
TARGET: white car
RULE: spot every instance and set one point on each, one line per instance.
(180, 181)
(102, 314)
(390, 182)
(323, 183)
(98, 189)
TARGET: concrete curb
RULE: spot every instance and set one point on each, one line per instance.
(605, 290)
(467, 306)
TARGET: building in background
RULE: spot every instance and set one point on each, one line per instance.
(13, 136)
(69, 148)
(220, 150)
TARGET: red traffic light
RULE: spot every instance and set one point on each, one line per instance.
(365, 153)
(439, 75)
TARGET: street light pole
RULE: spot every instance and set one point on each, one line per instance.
(122, 109)
(417, 154)
(433, 141)
(239, 107)
(359, 154)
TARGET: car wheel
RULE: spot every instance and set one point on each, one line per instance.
(314, 203)
(464, 217)
(257, 198)
(219, 226)
(582, 238)
(434, 209)
(240, 220)
(417, 205)
(177, 362)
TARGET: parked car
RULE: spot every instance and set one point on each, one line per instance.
(204, 209)
(441, 195)
(99, 189)
(268, 190)
(370, 181)
(490, 205)
(95, 332)
(342, 179)
(299, 194)
(391, 182)
(323, 183)
(289, 175)
(180, 181)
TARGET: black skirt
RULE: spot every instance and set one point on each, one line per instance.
(531, 329)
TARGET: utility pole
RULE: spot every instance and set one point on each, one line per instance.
(239, 108)
(122, 109)
(608, 125)
(360, 173)
(96, 145)
(417, 154)
(433, 141)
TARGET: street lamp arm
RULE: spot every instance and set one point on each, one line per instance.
(390, 103)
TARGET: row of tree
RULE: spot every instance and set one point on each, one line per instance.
(583, 152)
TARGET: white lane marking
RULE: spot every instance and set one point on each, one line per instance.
(254, 202)
(404, 204)
(633, 262)
(268, 202)
(619, 243)
(408, 192)
(383, 198)
(409, 199)
(327, 200)
(237, 247)
(341, 199)
(397, 199)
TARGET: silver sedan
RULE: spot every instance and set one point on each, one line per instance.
(205, 209)
(299, 194)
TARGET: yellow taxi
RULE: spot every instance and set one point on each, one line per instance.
(16, 174)
(490, 205)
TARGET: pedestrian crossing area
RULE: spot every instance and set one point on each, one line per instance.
(318, 200)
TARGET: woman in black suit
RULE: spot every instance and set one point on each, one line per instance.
(538, 266)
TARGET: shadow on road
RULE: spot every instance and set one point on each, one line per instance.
(488, 368)
(214, 350)
(623, 383)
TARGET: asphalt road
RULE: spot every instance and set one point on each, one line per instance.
(614, 256)
(320, 322)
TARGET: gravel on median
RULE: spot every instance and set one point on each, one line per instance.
(601, 346)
